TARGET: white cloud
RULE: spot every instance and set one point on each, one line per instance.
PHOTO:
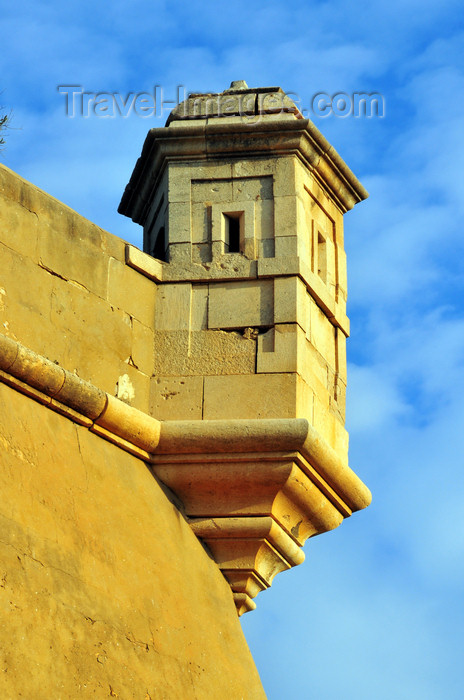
(373, 401)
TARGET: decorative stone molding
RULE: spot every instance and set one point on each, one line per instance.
(253, 490)
(223, 138)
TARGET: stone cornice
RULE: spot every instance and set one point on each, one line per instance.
(253, 490)
(230, 137)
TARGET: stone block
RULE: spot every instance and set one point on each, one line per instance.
(179, 182)
(278, 266)
(75, 312)
(241, 304)
(25, 206)
(286, 215)
(341, 355)
(184, 353)
(324, 421)
(172, 311)
(211, 191)
(250, 396)
(331, 428)
(285, 176)
(66, 254)
(179, 228)
(206, 170)
(266, 248)
(222, 121)
(199, 307)
(287, 246)
(281, 349)
(171, 352)
(291, 302)
(264, 219)
(216, 105)
(253, 188)
(178, 254)
(111, 245)
(132, 387)
(201, 253)
(323, 335)
(220, 352)
(143, 349)
(342, 276)
(314, 370)
(144, 263)
(201, 223)
(257, 167)
(217, 250)
(176, 398)
(322, 208)
(250, 248)
(339, 405)
(132, 292)
(285, 348)
(277, 103)
(304, 400)
(319, 292)
(19, 226)
(26, 287)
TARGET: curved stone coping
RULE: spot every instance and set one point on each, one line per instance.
(266, 435)
(58, 385)
(180, 437)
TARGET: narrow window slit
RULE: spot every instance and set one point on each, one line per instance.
(232, 233)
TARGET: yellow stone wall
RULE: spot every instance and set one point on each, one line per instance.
(66, 292)
(104, 589)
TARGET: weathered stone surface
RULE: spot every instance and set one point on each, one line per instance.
(85, 532)
(181, 353)
(173, 307)
(62, 254)
(148, 266)
(59, 311)
(142, 353)
(250, 396)
(241, 304)
(131, 292)
(177, 398)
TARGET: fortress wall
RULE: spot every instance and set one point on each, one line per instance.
(104, 589)
(66, 293)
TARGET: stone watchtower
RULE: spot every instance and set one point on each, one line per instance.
(242, 202)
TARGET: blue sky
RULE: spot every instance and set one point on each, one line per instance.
(376, 612)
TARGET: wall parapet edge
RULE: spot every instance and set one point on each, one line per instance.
(253, 490)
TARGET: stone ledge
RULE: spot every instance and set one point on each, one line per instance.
(144, 263)
(253, 490)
